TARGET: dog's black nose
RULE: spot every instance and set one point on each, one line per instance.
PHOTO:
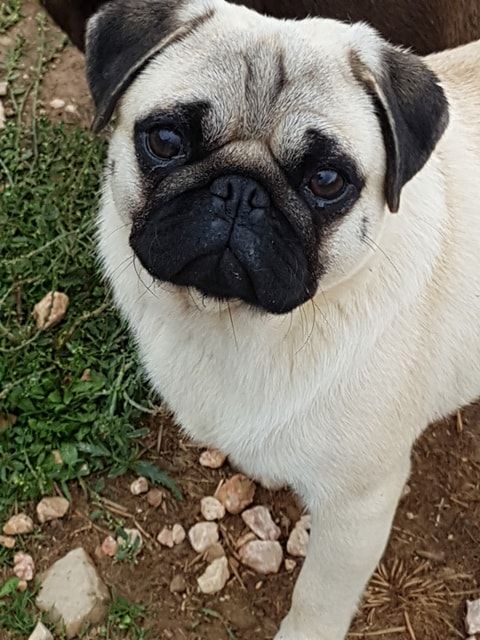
(242, 196)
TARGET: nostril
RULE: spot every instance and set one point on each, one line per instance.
(222, 187)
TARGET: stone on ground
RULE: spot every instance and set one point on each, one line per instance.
(41, 633)
(472, 621)
(52, 509)
(7, 542)
(215, 577)
(155, 497)
(263, 556)
(260, 521)
(73, 594)
(50, 310)
(236, 494)
(23, 566)
(212, 459)
(212, 509)
(203, 535)
(297, 544)
(18, 525)
(139, 486)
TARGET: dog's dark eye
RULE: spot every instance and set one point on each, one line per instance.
(327, 184)
(165, 144)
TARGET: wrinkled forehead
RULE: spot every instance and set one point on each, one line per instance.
(262, 80)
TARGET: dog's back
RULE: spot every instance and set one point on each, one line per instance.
(459, 71)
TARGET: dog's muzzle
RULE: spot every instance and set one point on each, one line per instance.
(228, 241)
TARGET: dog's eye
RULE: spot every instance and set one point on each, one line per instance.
(165, 144)
(327, 184)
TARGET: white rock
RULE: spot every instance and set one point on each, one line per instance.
(3, 89)
(260, 521)
(203, 535)
(52, 509)
(169, 537)
(71, 108)
(24, 566)
(472, 621)
(178, 534)
(215, 577)
(51, 310)
(3, 117)
(75, 575)
(297, 544)
(7, 542)
(41, 633)
(213, 459)
(18, 525)
(57, 103)
(165, 538)
(236, 494)
(263, 556)
(139, 486)
(290, 565)
(212, 509)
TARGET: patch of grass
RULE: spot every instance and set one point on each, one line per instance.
(17, 610)
(10, 14)
(57, 422)
(124, 620)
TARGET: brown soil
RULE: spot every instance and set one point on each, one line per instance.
(432, 564)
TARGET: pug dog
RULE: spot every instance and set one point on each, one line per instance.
(290, 224)
(424, 25)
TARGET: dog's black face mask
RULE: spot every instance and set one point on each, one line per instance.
(236, 227)
(229, 240)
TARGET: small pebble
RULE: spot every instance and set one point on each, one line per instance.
(472, 621)
(178, 534)
(71, 108)
(178, 584)
(215, 577)
(165, 538)
(52, 508)
(260, 521)
(236, 494)
(243, 540)
(109, 547)
(290, 565)
(18, 525)
(57, 103)
(3, 116)
(212, 459)
(7, 542)
(297, 544)
(3, 89)
(23, 566)
(212, 509)
(22, 586)
(51, 310)
(41, 633)
(262, 556)
(155, 497)
(203, 535)
(139, 486)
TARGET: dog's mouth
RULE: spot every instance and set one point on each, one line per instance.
(230, 243)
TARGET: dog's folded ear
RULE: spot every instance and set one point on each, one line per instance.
(411, 106)
(124, 35)
(71, 16)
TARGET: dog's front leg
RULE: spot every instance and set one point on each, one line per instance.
(346, 542)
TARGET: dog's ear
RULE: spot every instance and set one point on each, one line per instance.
(124, 35)
(411, 106)
(72, 16)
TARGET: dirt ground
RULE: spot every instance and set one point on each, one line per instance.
(430, 569)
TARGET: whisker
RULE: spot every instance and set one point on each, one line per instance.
(233, 325)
